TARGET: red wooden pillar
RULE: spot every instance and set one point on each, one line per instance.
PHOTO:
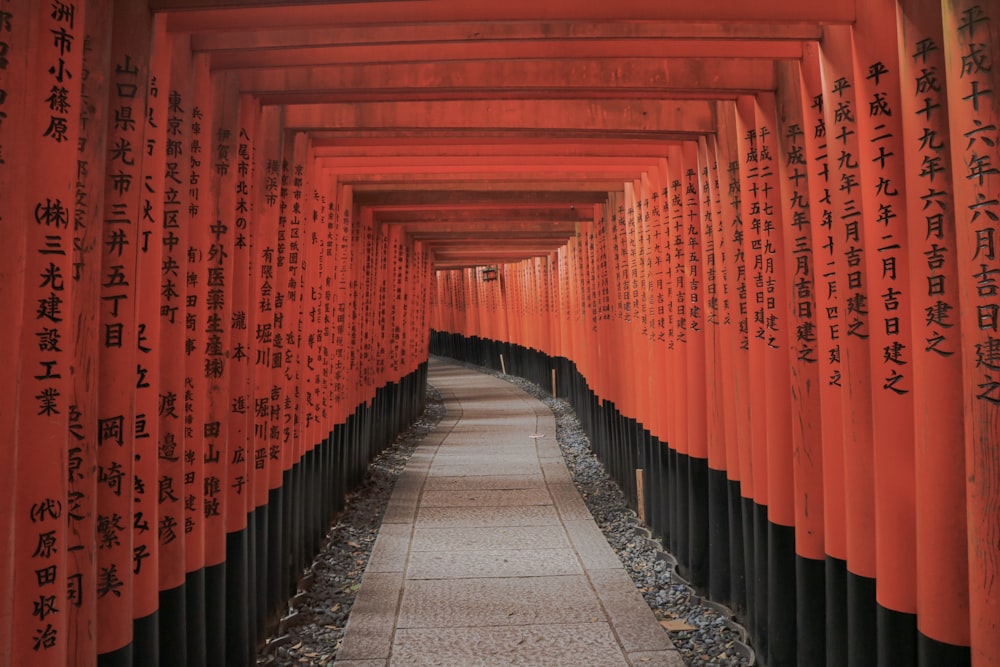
(87, 221)
(239, 602)
(800, 211)
(695, 381)
(632, 239)
(681, 530)
(292, 400)
(47, 106)
(118, 338)
(848, 192)
(971, 33)
(217, 274)
(778, 360)
(171, 394)
(729, 376)
(942, 592)
(199, 219)
(659, 252)
(341, 272)
(713, 232)
(884, 226)
(829, 334)
(738, 438)
(14, 31)
(150, 230)
(642, 298)
(280, 446)
(757, 333)
(261, 321)
(659, 484)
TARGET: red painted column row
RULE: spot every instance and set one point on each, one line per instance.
(174, 273)
(831, 247)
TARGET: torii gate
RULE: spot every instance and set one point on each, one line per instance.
(760, 236)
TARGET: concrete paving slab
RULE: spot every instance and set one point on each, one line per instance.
(492, 563)
(593, 547)
(629, 614)
(391, 548)
(477, 469)
(485, 482)
(486, 498)
(373, 618)
(569, 503)
(479, 538)
(478, 460)
(521, 646)
(555, 472)
(402, 510)
(449, 603)
(527, 515)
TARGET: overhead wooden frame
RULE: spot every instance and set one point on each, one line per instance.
(463, 124)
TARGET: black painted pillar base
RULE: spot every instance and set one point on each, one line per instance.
(120, 658)
(698, 521)
(173, 625)
(718, 537)
(781, 610)
(931, 652)
(239, 644)
(146, 640)
(215, 614)
(897, 638)
(862, 634)
(759, 628)
(810, 611)
(737, 558)
(197, 655)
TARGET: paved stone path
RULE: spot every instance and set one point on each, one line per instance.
(488, 555)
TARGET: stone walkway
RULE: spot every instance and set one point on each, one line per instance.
(487, 554)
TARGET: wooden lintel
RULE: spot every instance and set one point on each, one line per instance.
(504, 50)
(564, 29)
(191, 15)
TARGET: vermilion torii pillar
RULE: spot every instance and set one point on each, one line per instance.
(971, 41)
(45, 150)
(942, 573)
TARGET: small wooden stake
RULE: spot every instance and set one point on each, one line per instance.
(640, 492)
(553, 383)
(503, 367)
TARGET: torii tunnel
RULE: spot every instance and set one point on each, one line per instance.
(753, 243)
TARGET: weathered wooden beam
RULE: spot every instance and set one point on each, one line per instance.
(485, 198)
(510, 217)
(459, 237)
(383, 136)
(251, 14)
(504, 50)
(472, 79)
(484, 149)
(566, 179)
(563, 29)
(697, 117)
(403, 165)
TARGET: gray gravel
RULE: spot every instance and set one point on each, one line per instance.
(312, 632)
